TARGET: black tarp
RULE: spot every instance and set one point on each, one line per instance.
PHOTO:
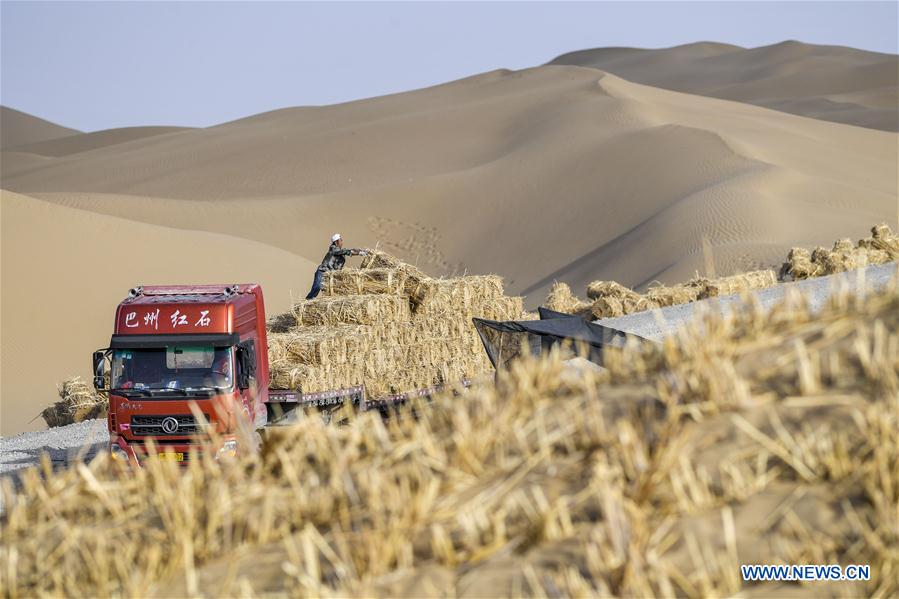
(505, 340)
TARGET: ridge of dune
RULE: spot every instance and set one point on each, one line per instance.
(832, 83)
(19, 128)
(85, 142)
(68, 279)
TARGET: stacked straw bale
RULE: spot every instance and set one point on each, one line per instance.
(389, 326)
(77, 402)
(369, 309)
(357, 282)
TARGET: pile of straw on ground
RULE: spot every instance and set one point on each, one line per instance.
(612, 299)
(881, 247)
(77, 402)
(389, 326)
(759, 438)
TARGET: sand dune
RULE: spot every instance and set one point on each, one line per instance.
(18, 128)
(64, 271)
(834, 83)
(552, 172)
(555, 172)
(74, 144)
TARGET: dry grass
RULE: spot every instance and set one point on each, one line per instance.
(762, 437)
(389, 326)
(77, 402)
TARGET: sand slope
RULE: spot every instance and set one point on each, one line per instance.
(18, 128)
(64, 271)
(833, 83)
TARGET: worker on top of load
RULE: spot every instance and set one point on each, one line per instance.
(333, 260)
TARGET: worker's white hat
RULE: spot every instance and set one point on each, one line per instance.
(335, 237)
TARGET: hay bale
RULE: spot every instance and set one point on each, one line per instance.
(674, 295)
(375, 259)
(611, 306)
(799, 264)
(613, 299)
(355, 281)
(757, 279)
(78, 402)
(883, 239)
(458, 294)
(320, 345)
(561, 299)
(352, 309)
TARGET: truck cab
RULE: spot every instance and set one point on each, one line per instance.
(183, 360)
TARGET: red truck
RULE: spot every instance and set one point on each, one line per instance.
(180, 349)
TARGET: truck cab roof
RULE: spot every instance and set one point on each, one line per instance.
(187, 309)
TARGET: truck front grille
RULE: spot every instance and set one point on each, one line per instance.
(161, 426)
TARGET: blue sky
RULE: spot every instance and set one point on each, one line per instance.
(96, 65)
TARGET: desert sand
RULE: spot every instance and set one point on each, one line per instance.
(552, 173)
(834, 83)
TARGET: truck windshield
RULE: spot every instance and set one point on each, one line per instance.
(172, 368)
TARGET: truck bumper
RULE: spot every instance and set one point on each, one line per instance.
(135, 453)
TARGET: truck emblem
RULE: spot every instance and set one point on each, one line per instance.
(169, 426)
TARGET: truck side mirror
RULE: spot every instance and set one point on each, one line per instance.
(99, 368)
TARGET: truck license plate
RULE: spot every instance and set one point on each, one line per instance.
(174, 456)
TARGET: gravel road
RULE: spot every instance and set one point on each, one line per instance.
(62, 444)
(87, 438)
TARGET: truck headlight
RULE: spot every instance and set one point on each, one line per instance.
(228, 450)
(117, 453)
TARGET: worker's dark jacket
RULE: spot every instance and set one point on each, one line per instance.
(335, 258)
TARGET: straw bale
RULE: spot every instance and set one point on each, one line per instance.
(883, 239)
(458, 294)
(561, 299)
(756, 279)
(382, 260)
(355, 281)
(77, 402)
(352, 309)
(613, 299)
(320, 344)
(673, 295)
(799, 264)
